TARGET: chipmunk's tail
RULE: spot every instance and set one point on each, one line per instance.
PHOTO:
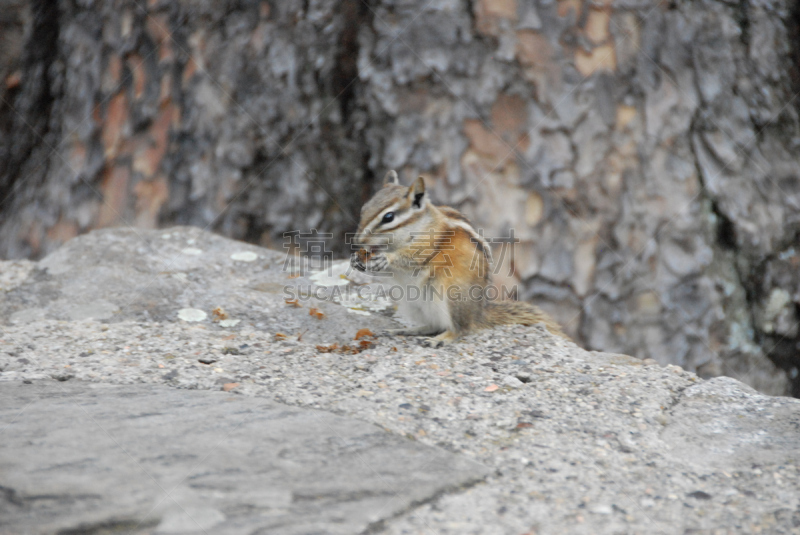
(520, 313)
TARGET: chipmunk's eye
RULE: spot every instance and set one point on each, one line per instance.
(388, 217)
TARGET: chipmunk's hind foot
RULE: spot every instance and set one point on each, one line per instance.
(443, 339)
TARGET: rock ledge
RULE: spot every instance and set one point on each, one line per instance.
(572, 441)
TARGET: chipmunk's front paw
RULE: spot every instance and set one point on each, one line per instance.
(378, 263)
(357, 261)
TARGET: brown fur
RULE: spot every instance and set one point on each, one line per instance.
(519, 313)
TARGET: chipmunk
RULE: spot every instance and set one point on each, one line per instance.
(435, 251)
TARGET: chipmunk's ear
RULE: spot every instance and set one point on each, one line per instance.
(390, 178)
(416, 193)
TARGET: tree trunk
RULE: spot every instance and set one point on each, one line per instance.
(644, 153)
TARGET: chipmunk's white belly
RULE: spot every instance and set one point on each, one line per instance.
(424, 304)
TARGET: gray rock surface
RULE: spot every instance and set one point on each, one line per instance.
(575, 441)
(135, 275)
(150, 459)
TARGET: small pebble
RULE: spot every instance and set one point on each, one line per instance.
(513, 382)
(244, 256)
(192, 314)
(601, 509)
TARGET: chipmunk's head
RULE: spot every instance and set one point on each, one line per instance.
(390, 217)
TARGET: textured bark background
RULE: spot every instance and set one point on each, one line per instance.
(645, 153)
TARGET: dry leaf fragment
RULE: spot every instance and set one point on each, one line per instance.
(491, 388)
(293, 302)
(280, 336)
(317, 313)
(363, 333)
(346, 349)
(219, 314)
